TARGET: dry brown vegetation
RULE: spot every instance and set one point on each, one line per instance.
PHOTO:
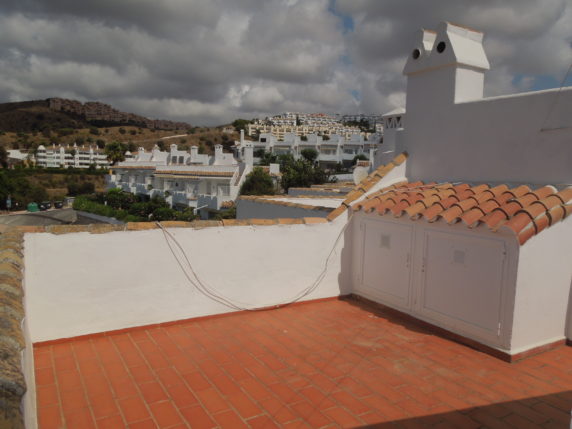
(140, 137)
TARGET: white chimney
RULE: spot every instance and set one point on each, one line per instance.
(248, 154)
(218, 156)
(194, 153)
(241, 137)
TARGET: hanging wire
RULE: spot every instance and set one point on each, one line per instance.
(193, 278)
(210, 293)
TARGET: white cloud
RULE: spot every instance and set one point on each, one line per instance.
(210, 62)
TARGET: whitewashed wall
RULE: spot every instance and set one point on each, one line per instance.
(495, 139)
(544, 287)
(80, 283)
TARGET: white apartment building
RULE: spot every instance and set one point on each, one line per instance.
(334, 150)
(279, 131)
(64, 157)
(184, 179)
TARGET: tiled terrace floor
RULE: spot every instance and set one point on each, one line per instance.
(323, 364)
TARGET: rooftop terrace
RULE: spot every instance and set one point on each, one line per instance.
(334, 363)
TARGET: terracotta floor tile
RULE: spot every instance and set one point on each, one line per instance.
(152, 392)
(342, 417)
(197, 417)
(133, 409)
(278, 410)
(81, 419)
(212, 401)
(317, 398)
(262, 422)
(181, 395)
(112, 422)
(165, 414)
(90, 368)
(168, 377)
(103, 406)
(73, 400)
(348, 401)
(47, 395)
(145, 424)
(45, 376)
(229, 420)
(69, 380)
(115, 370)
(310, 414)
(123, 387)
(245, 407)
(65, 363)
(50, 417)
(197, 381)
(352, 368)
(42, 359)
(236, 371)
(141, 374)
(255, 389)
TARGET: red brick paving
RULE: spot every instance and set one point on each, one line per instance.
(324, 364)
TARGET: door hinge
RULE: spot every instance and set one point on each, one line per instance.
(499, 330)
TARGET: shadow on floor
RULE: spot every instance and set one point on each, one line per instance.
(549, 411)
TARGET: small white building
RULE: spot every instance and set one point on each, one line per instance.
(66, 157)
(184, 178)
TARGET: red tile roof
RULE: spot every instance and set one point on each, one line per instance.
(524, 211)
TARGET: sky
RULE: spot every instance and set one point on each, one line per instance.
(208, 62)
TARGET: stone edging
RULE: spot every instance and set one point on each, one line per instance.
(12, 342)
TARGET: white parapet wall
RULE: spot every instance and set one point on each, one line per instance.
(83, 283)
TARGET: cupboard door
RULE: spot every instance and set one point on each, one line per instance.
(386, 268)
(462, 278)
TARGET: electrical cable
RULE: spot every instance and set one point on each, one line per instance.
(200, 285)
(210, 293)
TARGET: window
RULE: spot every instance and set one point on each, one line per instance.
(441, 47)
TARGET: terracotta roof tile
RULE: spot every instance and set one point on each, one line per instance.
(367, 183)
(524, 211)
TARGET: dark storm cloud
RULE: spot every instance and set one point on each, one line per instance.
(212, 61)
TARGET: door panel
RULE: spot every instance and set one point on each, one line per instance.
(387, 262)
(462, 281)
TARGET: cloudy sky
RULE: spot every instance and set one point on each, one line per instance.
(210, 61)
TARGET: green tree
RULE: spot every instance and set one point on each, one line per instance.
(300, 173)
(359, 157)
(3, 157)
(163, 213)
(309, 155)
(258, 182)
(240, 124)
(115, 152)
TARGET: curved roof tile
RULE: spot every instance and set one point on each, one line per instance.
(521, 210)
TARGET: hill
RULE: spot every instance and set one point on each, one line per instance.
(26, 125)
(36, 116)
(53, 113)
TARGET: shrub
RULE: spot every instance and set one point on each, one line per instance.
(258, 182)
